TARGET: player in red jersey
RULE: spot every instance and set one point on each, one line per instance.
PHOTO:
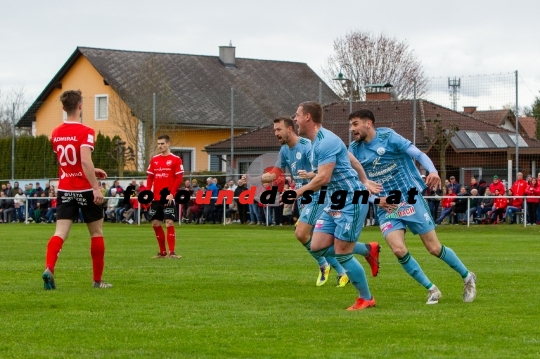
(78, 188)
(165, 174)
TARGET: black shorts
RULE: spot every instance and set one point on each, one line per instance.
(161, 212)
(68, 204)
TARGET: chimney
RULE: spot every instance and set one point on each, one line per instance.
(378, 96)
(227, 55)
(378, 92)
(469, 110)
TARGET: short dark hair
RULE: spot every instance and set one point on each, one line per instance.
(164, 137)
(362, 114)
(70, 100)
(287, 121)
(314, 109)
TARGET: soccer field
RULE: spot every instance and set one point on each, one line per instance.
(244, 292)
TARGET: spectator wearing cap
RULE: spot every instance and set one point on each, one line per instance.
(496, 185)
(454, 184)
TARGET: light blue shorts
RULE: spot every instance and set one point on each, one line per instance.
(415, 216)
(345, 224)
(310, 212)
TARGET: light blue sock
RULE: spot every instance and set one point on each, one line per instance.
(356, 274)
(320, 259)
(450, 257)
(361, 249)
(329, 254)
(335, 264)
(411, 266)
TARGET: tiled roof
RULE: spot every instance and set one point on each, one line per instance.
(494, 117)
(529, 125)
(201, 85)
(395, 114)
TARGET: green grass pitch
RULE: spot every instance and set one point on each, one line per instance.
(244, 292)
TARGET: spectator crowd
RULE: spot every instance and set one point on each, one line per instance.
(447, 204)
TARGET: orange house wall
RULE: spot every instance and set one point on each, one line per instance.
(199, 139)
(83, 76)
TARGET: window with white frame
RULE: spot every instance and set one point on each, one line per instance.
(216, 163)
(101, 109)
(188, 158)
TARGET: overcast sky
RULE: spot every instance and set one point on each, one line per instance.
(451, 38)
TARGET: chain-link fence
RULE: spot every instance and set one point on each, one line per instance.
(466, 125)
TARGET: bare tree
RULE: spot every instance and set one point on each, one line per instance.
(121, 155)
(367, 58)
(439, 138)
(131, 109)
(13, 104)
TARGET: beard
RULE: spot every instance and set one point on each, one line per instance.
(360, 137)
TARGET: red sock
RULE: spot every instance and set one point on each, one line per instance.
(171, 238)
(97, 250)
(160, 236)
(53, 249)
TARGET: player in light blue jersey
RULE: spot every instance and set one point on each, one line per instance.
(337, 230)
(294, 156)
(388, 159)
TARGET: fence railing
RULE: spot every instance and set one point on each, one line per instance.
(180, 206)
(524, 206)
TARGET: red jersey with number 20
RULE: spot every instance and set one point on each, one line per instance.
(165, 171)
(67, 140)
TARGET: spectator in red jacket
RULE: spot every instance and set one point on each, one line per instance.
(496, 184)
(514, 205)
(518, 188)
(447, 204)
(499, 207)
(532, 203)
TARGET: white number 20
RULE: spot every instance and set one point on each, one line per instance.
(68, 153)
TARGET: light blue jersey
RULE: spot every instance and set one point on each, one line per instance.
(385, 162)
(346, 223)
(296, 159)
(328, 148)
